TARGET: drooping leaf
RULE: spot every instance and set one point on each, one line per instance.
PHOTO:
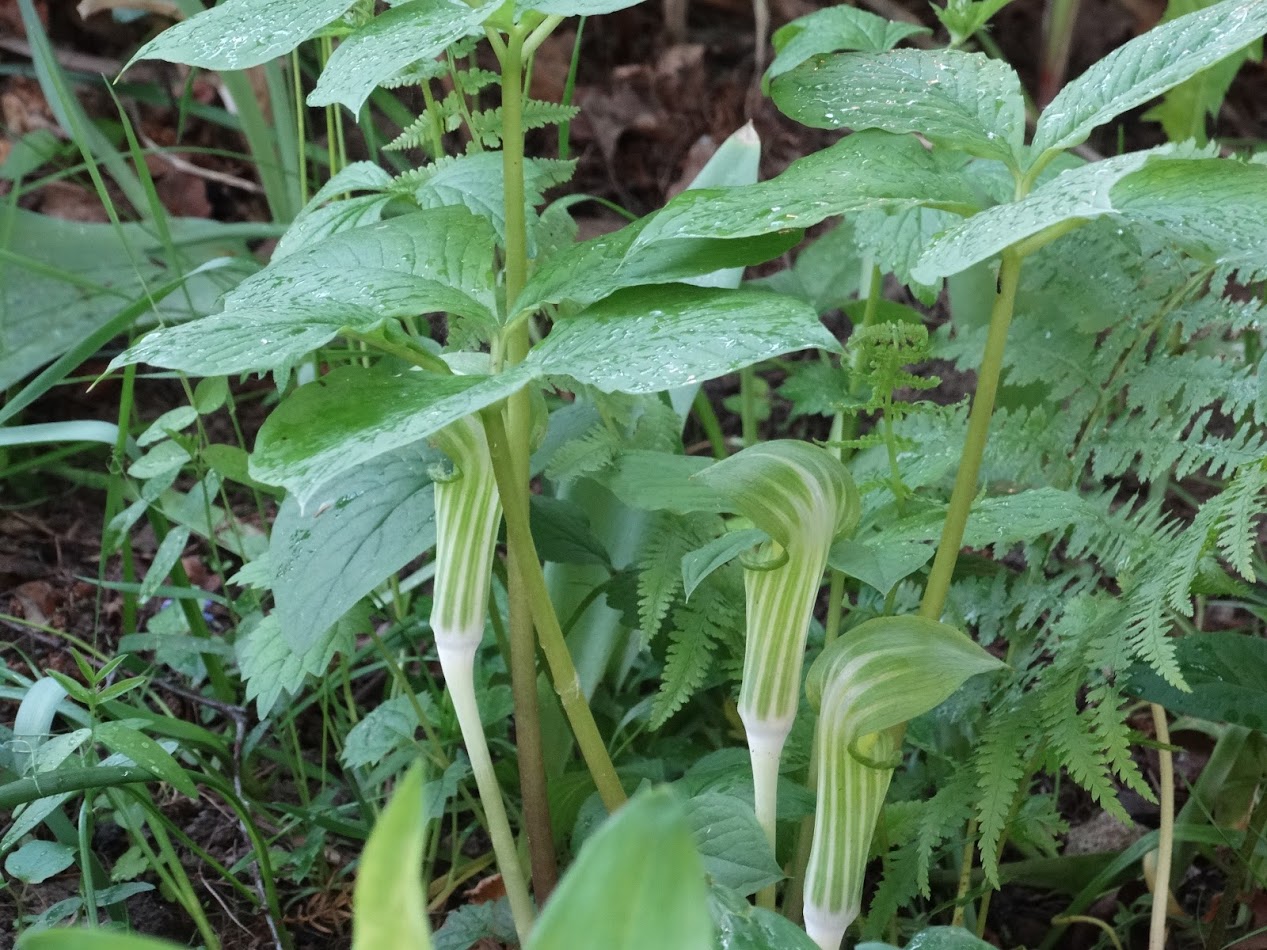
(405, 34)
(644, 340)
(353, 415)
(273, 667)
(833, 30)
(358, 530)
(323, 216)
(437, 260)
(703, 561)
(637, 883)
(1146, 67)
(239, 34)
(879, 565)
(741, 926)
(957, 100)
(866, 170)
(389, 905)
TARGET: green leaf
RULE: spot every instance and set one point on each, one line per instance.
(165, 558)
(1003, 519)
(353, 415)
(405, 34)
(637, 883)
(146, 753)
(645, 340)
(563, 534)
(359, 529)
(437, 260)
(323, 216)
(741, 926)
(654, 481)
(36, 861)
(703, 561)
(273, 668)
(957, 100)
(936, 938)
(879, 565)
(594, 269)
(81, 938)
(389, 906)
(1146, 67)
(833, 30)
(1216, 208)
(239, 34)
(574, 7)
(1227, 673)
(866, 170)
(1072, 197)
(386, 728)
(62, 281)
(731, 843)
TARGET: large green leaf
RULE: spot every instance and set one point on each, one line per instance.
(273, 667)
(353, 415)
(239, 34)
(323, 216)
(741, 926)
(360, 528)
(594, 269)
(437, 260)
(957, 100)
(939, 938)
(389, 906)
(1073, 196)
(637, 883)
(1215, 208)
(79, 938)
(420, 29)
(648, 339)
(574, 7)
(833, 30)
(65, 279)
(870, 169)
(1146, 67)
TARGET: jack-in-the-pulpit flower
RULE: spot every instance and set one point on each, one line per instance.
(803, 497)
(468, 513)
(866, 686)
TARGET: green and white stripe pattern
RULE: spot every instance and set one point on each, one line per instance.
(468, 512)
(804, 498)
(865, 686)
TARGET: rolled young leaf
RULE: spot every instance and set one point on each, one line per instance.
(865, 685)
(803, 498)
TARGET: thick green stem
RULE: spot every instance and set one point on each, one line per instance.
(974, 442)
(562, 671)
(532, 776)
(514, 490)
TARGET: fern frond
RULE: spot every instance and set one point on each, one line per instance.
(669, 539)
(1105, 709)
(486, 125)
(694, 632)
(1074, 744)
(999, 763)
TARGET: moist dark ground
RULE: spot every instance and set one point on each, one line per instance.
(655, 107)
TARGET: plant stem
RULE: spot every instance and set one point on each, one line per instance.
(707, 419)
(748, 405)
(1166, 833)
(562, 671)
(458, 665)
(514, 489)
(965, 874)
(974, 441)
(532, 777)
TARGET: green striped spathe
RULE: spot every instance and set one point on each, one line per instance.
(468, 513)
(866, 685)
